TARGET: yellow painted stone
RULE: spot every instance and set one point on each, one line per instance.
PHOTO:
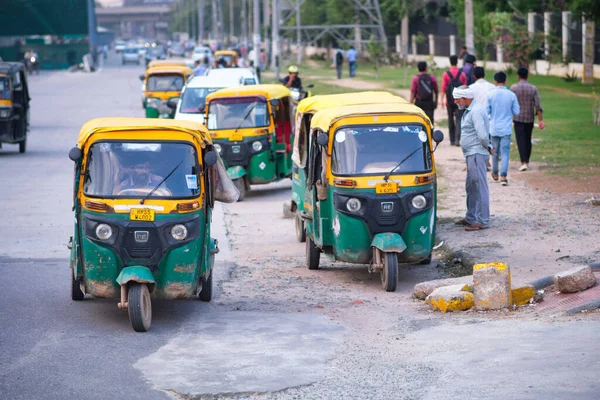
(522, 295)
(455, 303)
(496, 264)
(492, 286)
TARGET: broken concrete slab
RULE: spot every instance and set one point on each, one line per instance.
(575, 280)
(522, 294)
(491, 286)
(450, 298)
(424, 289)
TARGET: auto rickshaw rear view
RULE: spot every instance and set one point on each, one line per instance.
(370, 189)
(143, 197)
(14, 105)
(161, 84)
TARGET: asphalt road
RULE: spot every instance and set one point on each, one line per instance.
(283, 347)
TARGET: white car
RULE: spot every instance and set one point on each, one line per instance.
(131, 55)
(242, 76)
(201, 52)
(119, 46)
(194, 95)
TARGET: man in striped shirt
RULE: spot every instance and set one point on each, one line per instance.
(476, 147)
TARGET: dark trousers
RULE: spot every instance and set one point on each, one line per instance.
(427, 107)
(523, 133)
(454, 117)
(339, 70)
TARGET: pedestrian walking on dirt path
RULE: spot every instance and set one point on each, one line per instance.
(452, 79)
(530, 105)
(475, 143)
(502, 105)
(339, 62)
(481, 88)
(424, 90)
(351, 55)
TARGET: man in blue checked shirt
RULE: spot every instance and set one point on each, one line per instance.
(476, 147)
(502, 104)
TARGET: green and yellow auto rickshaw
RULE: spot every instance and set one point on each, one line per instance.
(14, 104)
(370, 184)
(252, 129)
(161, 84)
(304, 113)
(143, 197)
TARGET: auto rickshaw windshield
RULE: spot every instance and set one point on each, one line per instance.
(133, 170)
(240, 112)
(377, 149)
(4, 89)
(165, 83)
(192, 98)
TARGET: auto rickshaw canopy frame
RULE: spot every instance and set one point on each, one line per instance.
(316, 103)
(268, 91)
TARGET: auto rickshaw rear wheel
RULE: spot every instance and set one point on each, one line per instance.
(240, 184)
(389, 274)
(426, 261)
(313, 255)
(76, 292)
(300, 232)
(23, 146)
(139, 307)
(207, 285)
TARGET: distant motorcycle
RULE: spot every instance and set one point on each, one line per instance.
(32, 64)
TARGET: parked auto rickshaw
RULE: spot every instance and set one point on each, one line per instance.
(143, 197)
(160, 84)
(229, 58)
(304, 112)
(14, 105)
(370, 183)
(252, 130)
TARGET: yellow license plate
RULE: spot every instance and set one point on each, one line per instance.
(386, 187)
(141, 214)
(236, 137)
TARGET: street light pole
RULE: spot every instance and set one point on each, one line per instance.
(275, 38)
(256, 26)
(469, 26)
(200, 20)
(298, 32)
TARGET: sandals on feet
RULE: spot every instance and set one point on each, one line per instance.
(475, 227)
(462, 222)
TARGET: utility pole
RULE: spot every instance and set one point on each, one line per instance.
(266, 24)
(231, 28)
(256, 15)
(275, 38)
(469, 26)
(244, 14)
(298, 32)
(192, 16)
(200, 21)
(215, 21)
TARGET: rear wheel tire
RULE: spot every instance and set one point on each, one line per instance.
(389, 274)
(300, 231)
(23, 146)
(240, 184)
(140, 307)
(426, 261)
(76, 292)
(313, 255)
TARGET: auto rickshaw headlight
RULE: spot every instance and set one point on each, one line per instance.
(179, 232)
(353, 204)
(257, 146)
(419, 202)
(104, 231)
(217, 147)
(5, 113)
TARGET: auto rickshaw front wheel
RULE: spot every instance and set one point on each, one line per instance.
(22, 146)
(207, 286)
(389, 274)
(300, 231)
(313, 255)
(139, 307)
(76, 292)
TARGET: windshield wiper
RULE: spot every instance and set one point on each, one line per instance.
(245, 116)
(387, 176)
(160, 183)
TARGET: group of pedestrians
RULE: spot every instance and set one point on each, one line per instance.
(350, 56)
(481, 116)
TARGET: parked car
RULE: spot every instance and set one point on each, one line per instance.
(131, 55)
(176, 50)
(243, 76)
(119, 46)
(201, 52)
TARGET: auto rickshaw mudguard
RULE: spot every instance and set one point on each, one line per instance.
(152, 112)
(136, 273)
(389, 242)
(236, 172)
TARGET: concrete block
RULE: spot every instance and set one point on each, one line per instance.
(491, 286)
(424, 289)
(575, 280)
(450, 298)
(521, 294)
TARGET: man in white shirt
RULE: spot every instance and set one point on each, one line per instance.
(481, 87)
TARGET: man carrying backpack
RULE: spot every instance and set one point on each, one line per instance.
(339, 62)
(424, 90)
(453, 78)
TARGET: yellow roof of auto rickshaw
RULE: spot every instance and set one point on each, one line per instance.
(267, 91)
(120, 125)
(156, 63)
(170, 69)
(226, 53)
(325, 118)
(316, 103)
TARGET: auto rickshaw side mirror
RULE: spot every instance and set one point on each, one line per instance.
(323, 140)
(202, 108)
(75, 154)
(142, 77)
(438, 136)
(274, 103)
(172, 104)
(210, 158)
